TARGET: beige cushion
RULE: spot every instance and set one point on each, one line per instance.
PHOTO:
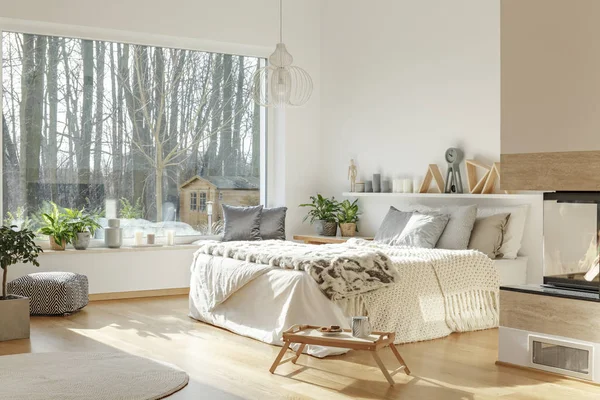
(487, 234)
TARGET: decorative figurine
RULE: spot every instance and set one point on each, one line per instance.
(352, 173)
(454, 157)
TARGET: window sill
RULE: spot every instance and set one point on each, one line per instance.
(122, 249)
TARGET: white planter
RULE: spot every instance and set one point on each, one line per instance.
(14, 314)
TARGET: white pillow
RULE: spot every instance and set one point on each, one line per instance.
(513, 235)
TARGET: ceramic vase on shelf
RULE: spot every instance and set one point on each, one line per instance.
(369, 186)
(113, 234)
(376, 183)
(385, 186)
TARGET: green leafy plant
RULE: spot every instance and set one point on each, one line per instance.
(131, 211)
(16, 246)
(19, 218)
(348, 213)
(322, 209)
(80, 221)
(56, 224)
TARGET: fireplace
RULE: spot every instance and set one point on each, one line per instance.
(571, 230)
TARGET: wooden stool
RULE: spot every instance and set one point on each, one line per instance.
(307, 334)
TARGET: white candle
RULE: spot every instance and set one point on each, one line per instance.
(139, 237)
(408, 186)
(170, 238)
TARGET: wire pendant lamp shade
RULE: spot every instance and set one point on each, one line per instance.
(281, 84)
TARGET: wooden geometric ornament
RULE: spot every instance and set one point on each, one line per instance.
(433, 173)
(476, 186)
(487, 184)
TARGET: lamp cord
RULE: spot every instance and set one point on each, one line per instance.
(280, 21)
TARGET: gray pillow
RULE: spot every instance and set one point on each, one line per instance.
(272, 223)
(458, 231)
(392, 226)
(241, 223)
(488, 233)
(422, 230)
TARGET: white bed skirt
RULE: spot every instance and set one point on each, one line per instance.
(269, 305)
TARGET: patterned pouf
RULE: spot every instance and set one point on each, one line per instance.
(52, 293)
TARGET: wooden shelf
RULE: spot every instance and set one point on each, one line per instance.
(445, 195)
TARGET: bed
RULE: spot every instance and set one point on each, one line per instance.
(261, 289)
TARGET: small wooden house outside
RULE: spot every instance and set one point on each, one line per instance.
(196, 192)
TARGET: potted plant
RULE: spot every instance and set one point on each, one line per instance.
(322, 214)
(56, 226)
(83, 225)
(348, 217)
(16, 246)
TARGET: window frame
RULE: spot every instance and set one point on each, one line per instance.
(202, 199)
(267, 119)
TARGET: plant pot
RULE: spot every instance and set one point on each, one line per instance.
(56, 246)
(348, 229)
(325, 228)
(82, 240)
(14, 312)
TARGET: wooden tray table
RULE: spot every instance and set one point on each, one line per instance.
(308, 334)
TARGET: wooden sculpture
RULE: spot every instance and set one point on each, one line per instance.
(475, 185)
(433, 173)
(487, 184)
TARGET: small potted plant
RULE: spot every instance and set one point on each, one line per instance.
(322, 214)
(84, 225)
(16, 246)
(56, 226)
(347, 217)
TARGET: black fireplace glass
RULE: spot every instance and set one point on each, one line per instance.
(571, 229)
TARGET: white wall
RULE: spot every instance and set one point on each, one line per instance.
(401, 81)
(237, 26)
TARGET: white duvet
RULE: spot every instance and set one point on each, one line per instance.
(439, 292)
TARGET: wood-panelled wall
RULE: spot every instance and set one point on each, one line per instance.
(550, 69)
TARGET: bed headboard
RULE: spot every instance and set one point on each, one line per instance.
(374, 207)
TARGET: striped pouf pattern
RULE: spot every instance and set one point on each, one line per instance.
(52, 293)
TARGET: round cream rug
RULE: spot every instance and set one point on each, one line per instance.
(87, 376)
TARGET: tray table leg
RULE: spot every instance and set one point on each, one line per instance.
(298, 352)
(399, 358)
(286, 345)
(383, 368)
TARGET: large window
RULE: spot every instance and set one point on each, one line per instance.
(86, 122)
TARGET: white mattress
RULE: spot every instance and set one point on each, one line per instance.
(512, 272)
(269, 305)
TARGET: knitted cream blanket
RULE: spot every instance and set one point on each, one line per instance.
(467, 279)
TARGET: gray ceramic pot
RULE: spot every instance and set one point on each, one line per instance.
(82, 240)
(325, 228)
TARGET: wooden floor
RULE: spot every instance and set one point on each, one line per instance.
(226, 366)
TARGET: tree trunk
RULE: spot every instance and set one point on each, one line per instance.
(52, 150)
(33, 124)
(256, 139)
(85, 142)
(100, 50)
(236, 143)
(4, 278)
(211, 163)
(10, 164)
(27, 73)
(227, 124)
